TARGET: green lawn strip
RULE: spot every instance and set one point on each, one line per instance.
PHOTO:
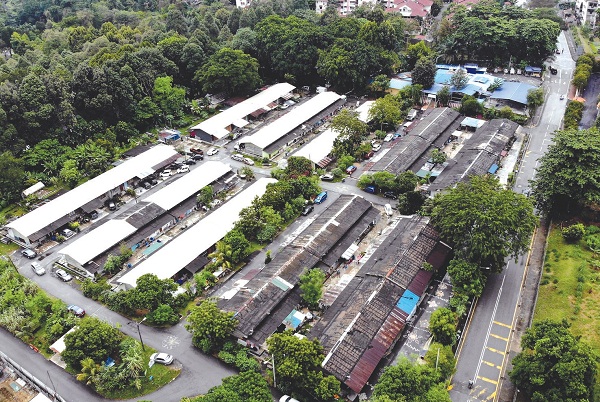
(584, 42)
(7, 249)
(161, 376)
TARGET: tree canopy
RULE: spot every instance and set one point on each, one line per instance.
(484, 222)
(210, 327)
(93, 339)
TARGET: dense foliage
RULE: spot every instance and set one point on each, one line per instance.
(311, 285)
(210, 327)
(568, 174)
(245, 387)
(92, 339)
(554, 365)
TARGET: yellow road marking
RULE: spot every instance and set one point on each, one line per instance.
(499, 337)
(488, 380)
(492, 395)
(502, 324)
(496, 350)
(491, 364)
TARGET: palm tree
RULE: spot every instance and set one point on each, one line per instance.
(222, 255)
(89, 371)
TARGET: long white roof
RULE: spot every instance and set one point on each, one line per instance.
(190, 183)
(87, 247)
(299, 115)
(107, 235)
(363, 111)
(181, 251)
(320, 147)
(54, 210)
(216, 125)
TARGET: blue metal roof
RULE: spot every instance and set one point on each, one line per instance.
(408, 302)
(514, 91)
(530, 69)
(442, 76)
(395, 83)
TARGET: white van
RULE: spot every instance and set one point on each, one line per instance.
(388, 209)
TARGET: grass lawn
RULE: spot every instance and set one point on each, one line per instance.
(570, 288)
(161, 376)
(7, 249)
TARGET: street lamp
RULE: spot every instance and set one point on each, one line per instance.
(140, 334)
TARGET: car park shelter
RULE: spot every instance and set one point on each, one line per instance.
(48, 218)
(86, 248)
(185, 248)
(220, 125)
(318, 148)
(261, 143)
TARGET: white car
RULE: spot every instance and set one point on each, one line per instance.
(237, 157)
(37, 268)
(388, 137)
(165, 174)
(162, 358)
(63, 275)
(212, 151)
(183, 169)
(376, 147)
(68, 233)
(248, 161)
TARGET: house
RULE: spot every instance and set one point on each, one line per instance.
(224, 123)
(585, 12)
(38, 224)
(409, 8)
(344, 7)
(270, 140)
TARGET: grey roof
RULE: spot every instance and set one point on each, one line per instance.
(478, 153)
(141, 214)
(263, 294)
(417, 142)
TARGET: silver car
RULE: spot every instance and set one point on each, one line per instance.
(63, 275)
(37, 268)
(162, 358)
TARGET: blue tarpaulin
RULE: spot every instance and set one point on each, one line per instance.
(408, 302)
(493, 169)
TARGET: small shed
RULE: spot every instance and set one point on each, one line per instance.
(33, 189)
(533, 71)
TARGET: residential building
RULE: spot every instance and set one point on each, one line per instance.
(585, 10)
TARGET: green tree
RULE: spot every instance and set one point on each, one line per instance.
(410, 202)
(89, 371)
(484, 222)
(206, 195)
(406, 381)
(535, 99)
(92, 339)
(386, 111)
(416, 52)
(424, 73)
(230, 71)
(351, 131)
(467, 278)
(567, 176)
(163, 315)
(438, 157)
(441, 359)
(150, 292)
(311, 285)
(69, 174)
(443, 96)
(170, 99)
(239, 245)
(344, 161)
(554, 365)
(222, 256)
(442, 326)
(573, 233)
(12, 177)
(209, 326)
(246, 386)
(470, 106)
(459, 79)
(380, 85)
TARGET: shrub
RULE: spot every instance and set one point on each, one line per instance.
(163, 315)
(227, 357)
(573, 233)
(94, 290)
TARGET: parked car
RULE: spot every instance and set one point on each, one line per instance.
(67, 233)
(76, 310)
(63, 275)
(237, 157)
(370, 189)
(248, 161)
(351, 169)
(321, 197)
(165, 174)
(396, 135)
(161, 358)
(146, 185)
(376, 147)
(37, 268)
(189, 162)
(388, 137)
(287, 398)
(197, 151)
(198, 157)
(390, 194)
(183, 169)
(94, 214)
(327, 177)
(29, 253)
(388, 209)
(369, 155)
(307, 210)
(112, 206)
(212, 151)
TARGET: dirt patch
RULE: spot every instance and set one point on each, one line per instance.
(590, 94)
(13, 391)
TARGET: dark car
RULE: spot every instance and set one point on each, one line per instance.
(389, 194)
(351, 169)
(76, 310)
(370, 189)
(197, 151)
(198, 157)
(146, 185)
(94, 214)
(111, 205)
(307, 210)
(190, 162)
(153, 181)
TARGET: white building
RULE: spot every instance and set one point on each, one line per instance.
(345, 7)
(585, 11)
(318, 149)
(197, 240)
(37, 224)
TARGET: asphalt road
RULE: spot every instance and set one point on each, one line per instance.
(483, 355)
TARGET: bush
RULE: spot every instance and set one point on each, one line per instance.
(573, 233)
(245, 363)
(163, 315)
(227, 357)
(573, 114)
(94, 290)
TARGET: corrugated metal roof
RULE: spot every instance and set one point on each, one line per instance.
(420, 282)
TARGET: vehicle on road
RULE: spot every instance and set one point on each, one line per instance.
(37, 268)
(212, 151)
(562, 97)
(76, 310)
(67, 233)
(388, 209)
(369, 154)
(161, 358)
(370, 189)
(63, 275)
(390, 194)
(396, 135)
(198, 158)
(388, 138)
(183, 169)
(351, 169)
(146, 185)
(165, 174)
(197, 151)
(237, 157)
(29, 253)
(376, 147)
(112, 206)
(321, 197)
(307, 210)
(248, 161)
(190, 162)
(327, 177)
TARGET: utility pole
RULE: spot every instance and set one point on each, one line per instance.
(140, 334)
